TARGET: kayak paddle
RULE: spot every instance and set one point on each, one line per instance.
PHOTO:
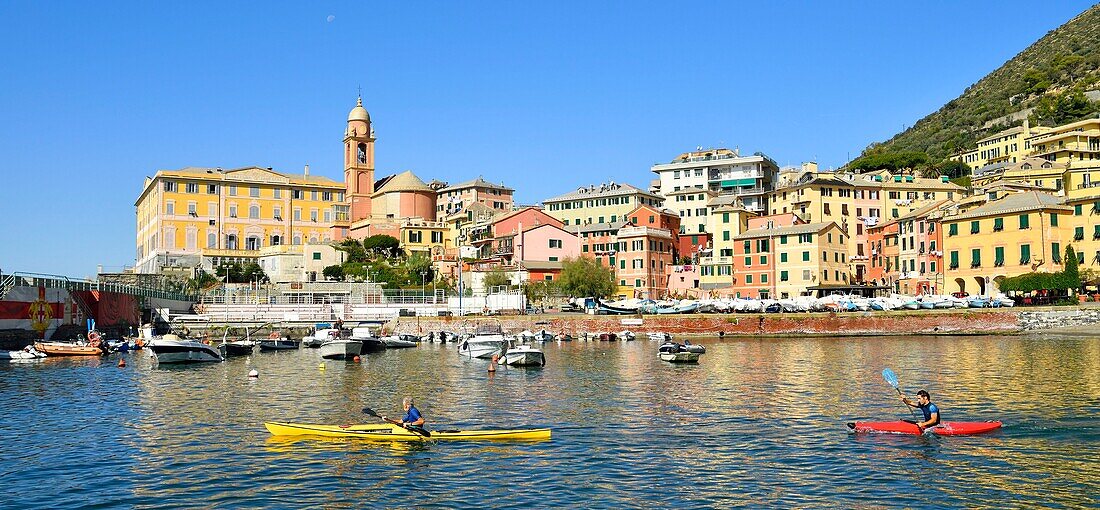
(892, 379)
(419, 430)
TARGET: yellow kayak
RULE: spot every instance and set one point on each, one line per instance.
(391, 432)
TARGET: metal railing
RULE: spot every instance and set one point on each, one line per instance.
(24, 279)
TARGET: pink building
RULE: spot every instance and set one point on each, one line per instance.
(683, 280)
(522, 219)
(457, 198)
(403, 196)
(539, 249)
(646, 253)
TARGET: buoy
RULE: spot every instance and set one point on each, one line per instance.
(253, 374)
(493, 364)
(121, 363)
(355, 359)
(321, 366)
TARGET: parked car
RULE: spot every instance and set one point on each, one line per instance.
(960, 294)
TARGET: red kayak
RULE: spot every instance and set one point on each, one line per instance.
(946, 428)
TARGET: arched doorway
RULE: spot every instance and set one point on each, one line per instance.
(980, 280)
(961, 284)
(997, 282)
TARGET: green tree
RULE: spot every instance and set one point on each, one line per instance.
(253, 272)
(334, 272)
(1070, 273)
(877, 160)
(419, 268)
(584, 277)
(1035, 81)
(201, 281)
(953, 169)
(383, 245)
(230, 272)
(497, 278)
(354, 249)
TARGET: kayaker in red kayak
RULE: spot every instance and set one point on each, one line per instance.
(930, 410)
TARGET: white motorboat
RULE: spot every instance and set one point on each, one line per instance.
(690, 347)
(341, 348)
(487, 341)
(399, 341)
(626, 335)
(173, 349)
(523, 355)
(319, 336)
(27, 352)
(659, 336)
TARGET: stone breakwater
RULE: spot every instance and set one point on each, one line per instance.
(1051, 319)
(961, 322)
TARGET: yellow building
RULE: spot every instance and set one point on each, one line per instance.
(1012, 235)
(425, 237)
(606, 203)
(1008, 146)
(728, 219)
(788, 261)
(1083, 228)
(201, 217)
(1030, 170)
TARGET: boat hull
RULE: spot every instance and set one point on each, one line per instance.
(67, 349)
(947, 428)
(280, 344)
(530, 358)
(390, 432)
(680, 357)
(341, 349)
(238, 348)
(184, 352)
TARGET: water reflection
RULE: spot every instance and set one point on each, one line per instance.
(758, 422)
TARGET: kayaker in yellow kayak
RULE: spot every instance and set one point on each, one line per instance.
(930, 410)
(412, 418)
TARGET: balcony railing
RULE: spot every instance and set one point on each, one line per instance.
(954, 266)
(1025, 261)
(975, 265)
(998, 263)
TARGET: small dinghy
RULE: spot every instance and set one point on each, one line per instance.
(677, 353)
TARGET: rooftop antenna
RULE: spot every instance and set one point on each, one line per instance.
(360, 91)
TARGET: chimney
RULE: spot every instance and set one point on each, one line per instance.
(307, 170)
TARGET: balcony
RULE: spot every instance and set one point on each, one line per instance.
(644, 231)
(998, 263)
(975, 265)
(1025, 261)
(954, 266)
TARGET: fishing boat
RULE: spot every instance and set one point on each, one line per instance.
(171, 348)
(487, 341)
(337, 347)
(617, 308)
(391, 432)
(523, 355)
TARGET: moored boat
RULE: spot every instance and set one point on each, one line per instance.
(487, 341)
(25, 353)
(391, 432)
(341, 348)
(371, 343)
(173, 349)
(399, 341)
(523, 355)
(93, 347)
(677, 353)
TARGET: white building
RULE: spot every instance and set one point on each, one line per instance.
(722, 171)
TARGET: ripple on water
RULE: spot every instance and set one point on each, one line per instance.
(756, 423)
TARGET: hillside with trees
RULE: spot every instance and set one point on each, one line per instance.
(1046, 83)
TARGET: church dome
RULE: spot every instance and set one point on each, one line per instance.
(359, 113)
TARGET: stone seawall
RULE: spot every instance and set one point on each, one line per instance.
(961, 322)
(1050, 319)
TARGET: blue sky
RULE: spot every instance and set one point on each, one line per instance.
(544, 97)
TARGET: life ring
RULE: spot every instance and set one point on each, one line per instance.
(274, 335)
(94, 338)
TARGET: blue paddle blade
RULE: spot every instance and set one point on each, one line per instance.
(890, 377)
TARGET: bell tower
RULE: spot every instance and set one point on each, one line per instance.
(359, 161)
